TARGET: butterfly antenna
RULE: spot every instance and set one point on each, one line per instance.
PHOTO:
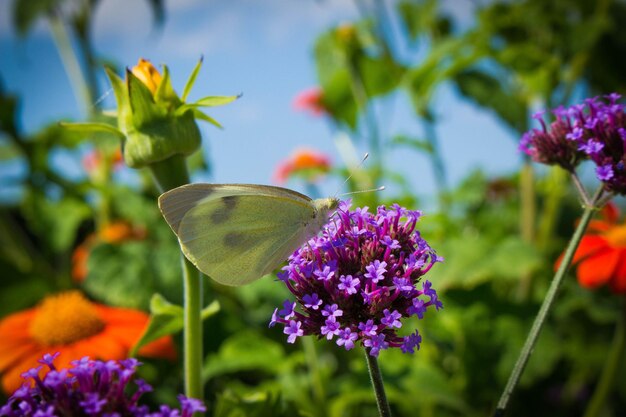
(352, 173)
(382, 187)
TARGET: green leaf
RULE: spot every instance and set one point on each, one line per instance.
(167, 319)
(128, 273)
(55, 221)
(489, 92)
(9, 151)
(143, 107)
(213, 101)
(417, 144)
(87, 128)
(244, 351)
(165, 93)
(26, 12)
(198, 114)
(191, 80)
(418, 17)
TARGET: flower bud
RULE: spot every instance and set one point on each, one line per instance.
(151, 117)
(147, 74)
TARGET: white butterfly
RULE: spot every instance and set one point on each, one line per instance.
(237, 233)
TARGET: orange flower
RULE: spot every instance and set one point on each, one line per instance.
(71, 324)
(306, 162)
(311, 100)
(114, 233)
(601, 255)
(93, 160)
(147, 74)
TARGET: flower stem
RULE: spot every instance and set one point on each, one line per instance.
(611, 368)
(317, 379)
(169, 174)
(193, 330)
(76, 75)
(533, 334)
(377, 383)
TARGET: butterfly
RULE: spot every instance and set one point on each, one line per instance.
(237, 233)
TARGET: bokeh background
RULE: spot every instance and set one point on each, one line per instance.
(438, 93)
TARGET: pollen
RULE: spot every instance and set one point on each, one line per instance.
(65, 318)
(616, 236)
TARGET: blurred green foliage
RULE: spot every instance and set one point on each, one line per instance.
(512, 58)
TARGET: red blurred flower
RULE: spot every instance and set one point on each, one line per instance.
(74, 326)
(311, 100)
(308, 163)
(93, 160)
(601, 255)
(114, 233)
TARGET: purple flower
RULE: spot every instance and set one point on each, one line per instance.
(347, 338)
(376, 270)
(349, 284)
(595, 130)
(391, 318)
(88, 388)
(411, 342)
(376, 344)
(330, 328)
(358, 279)
(293, 330)
(605, 172)
(312, 301)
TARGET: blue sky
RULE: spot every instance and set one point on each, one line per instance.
(262, 49)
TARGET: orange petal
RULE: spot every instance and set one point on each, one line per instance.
(17, 353)
(120, 316)
(618, 283)
(16, 325)
(101, 346)
(160, 348)
(599, 226)
(598, 269)
(589, 245)
(12, 380)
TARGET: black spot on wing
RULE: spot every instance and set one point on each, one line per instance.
(233, 239)
(223, 213)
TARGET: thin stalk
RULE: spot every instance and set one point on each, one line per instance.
(377, 383)
(170, 174)
(611, 368)
(317, 380)
(192, 339)
(73, 69)
(436, 161)
(535, 330)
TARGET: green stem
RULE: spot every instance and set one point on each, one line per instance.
(535, 330)
(611, 368)
(74, 71)
(169, 174)
(317, 380)
(527, 201)
(193, 330)
(377, 383)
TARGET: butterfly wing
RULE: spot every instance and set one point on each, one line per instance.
(237, 233)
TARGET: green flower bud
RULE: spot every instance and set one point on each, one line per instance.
(154, 130)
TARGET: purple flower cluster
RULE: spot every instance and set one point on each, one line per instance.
(88, 388)
(595, 130)
(358, 278)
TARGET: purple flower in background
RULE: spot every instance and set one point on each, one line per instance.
(595, 130)
(88, 388)
(357, 280)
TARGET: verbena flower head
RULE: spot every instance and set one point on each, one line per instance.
(595, 130)
(357, 280)
(88, 388)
